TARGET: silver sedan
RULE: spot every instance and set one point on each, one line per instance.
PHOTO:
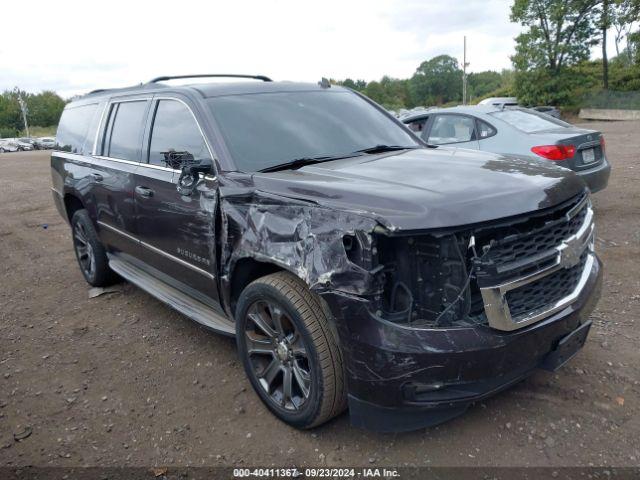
(516, 132)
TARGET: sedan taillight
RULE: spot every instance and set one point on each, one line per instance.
(555, 152)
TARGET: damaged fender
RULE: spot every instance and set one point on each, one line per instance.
(302, 237)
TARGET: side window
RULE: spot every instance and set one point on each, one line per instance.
(175, 136)
(74, 127)
(124, 130)
(451, 129)
(485, 130)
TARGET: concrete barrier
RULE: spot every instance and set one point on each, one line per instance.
(608, 114)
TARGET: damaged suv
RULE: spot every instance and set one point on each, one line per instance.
(356, 266)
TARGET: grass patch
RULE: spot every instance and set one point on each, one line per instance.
(40, 131)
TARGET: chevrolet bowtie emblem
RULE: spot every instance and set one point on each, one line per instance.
(570, 252)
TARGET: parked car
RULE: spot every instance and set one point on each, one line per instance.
(355, 265)
(45, 143)
(553, 111)
(500, 102)
(8, 145)
(24, 144)
(519, 132)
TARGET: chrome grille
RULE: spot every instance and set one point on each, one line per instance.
(539, 266)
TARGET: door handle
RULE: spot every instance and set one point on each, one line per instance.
(144, 191)
(97, 177)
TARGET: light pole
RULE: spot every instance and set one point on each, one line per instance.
(23, 107)
(464, 73)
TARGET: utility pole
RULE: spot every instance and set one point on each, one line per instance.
(23, 107)
(464, 73)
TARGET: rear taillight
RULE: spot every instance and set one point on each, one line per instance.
(555, 152)
(602, 144)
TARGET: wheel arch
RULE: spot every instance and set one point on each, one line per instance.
(245, 270)
(72, 203)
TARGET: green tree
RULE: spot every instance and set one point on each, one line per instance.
(10, 113)
(624, 14)
(559, 32)
(482, 83)
(358, 85)
(436, 81)
(45, 108)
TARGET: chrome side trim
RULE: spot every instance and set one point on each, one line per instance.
(568, 255)
(158, 251)
(177, 260)
(111, 159)
(118, 231)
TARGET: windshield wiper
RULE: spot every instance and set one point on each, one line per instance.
(303, 161)
(386, 148)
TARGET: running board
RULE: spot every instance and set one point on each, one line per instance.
(183, 303)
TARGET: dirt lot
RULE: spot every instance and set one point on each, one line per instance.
(121, 379)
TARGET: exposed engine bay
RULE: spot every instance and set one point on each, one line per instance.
(435, 280)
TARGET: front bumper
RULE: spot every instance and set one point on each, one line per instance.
(596, 178)
(402, 378)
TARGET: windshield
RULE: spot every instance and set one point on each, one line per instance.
(529, 121)
(267, 129)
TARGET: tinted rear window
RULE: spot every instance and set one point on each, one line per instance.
(529, 121)
(74, 129)
(125, 130)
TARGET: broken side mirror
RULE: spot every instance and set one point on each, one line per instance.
(191, 173)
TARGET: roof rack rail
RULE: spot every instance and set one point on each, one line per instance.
(215, 75)
(98, 90)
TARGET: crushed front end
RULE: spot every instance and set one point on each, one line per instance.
(460, 314)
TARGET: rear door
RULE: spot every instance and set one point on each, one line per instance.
(177, 232)
(451, 129)
(117, 157)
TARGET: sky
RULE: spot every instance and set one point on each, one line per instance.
(79, 46)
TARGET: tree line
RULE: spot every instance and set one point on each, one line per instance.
(43, 110)
(437, 81)
(551, 64)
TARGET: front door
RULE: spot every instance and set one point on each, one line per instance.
(177, 232)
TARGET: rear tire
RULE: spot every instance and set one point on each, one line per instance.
(289, 351)
(90, 253)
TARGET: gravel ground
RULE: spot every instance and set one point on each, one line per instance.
(121, 379)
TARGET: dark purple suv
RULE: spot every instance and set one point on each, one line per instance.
(356, 266)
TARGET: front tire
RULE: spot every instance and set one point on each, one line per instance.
(90, 253)
(289, 351)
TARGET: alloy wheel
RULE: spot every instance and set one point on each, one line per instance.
(278, 355)
(84, 250)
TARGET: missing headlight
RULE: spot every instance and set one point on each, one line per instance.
(428, 280)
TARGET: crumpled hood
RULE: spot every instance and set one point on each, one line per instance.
(428, 188)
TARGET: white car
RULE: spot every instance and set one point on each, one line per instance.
(500, 102)
(8, 145)
(46, 143)
(24, 144)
